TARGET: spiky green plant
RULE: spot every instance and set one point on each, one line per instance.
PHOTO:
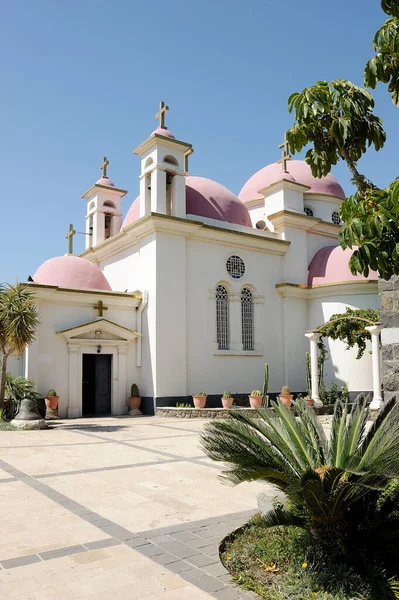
(308, 375)
(332, 487)
(265, 399)
(18, 323)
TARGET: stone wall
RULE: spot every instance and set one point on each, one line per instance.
(389, 303)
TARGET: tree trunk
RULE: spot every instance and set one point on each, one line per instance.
(3, 379)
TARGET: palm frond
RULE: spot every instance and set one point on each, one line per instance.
(313, 430)
(280, 516)
(339, 433)
(304, 451)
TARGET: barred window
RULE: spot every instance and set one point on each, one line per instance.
(222, 318)
(235, 266)
(335, 218)
(308, 210)
(247, 319)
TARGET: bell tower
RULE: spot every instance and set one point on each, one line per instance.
(164, 164)
(103, 215)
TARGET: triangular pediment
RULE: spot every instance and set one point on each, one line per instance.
(100, 329)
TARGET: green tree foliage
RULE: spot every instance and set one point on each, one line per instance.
(337, 118)
(18, 323)
(342, 491)
(350, 328)
(384, 66)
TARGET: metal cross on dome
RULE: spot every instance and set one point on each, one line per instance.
(285, 155)
(104, 166)
(163, 109)
(69, 237)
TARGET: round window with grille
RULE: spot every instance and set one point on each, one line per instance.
(335, 218)
(235, 266)
(308, 211)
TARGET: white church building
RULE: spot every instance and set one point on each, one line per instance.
(195, 288)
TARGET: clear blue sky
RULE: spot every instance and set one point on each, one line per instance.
(83, 79)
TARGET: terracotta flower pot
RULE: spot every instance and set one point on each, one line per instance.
(51, 402)
(227, 402)
(309, 401)
(199, 401)
(134, 402)
(255, 401)
(287, 400)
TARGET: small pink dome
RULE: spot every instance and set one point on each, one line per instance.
(163, 131)
(205, 198)
(330, 265)
(299, 171)
(71, 272)
(105, 181)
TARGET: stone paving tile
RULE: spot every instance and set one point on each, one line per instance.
(62, 552)
(179, 549)
(11, 563)
(102, 544)
(200, 560)
(208, 583)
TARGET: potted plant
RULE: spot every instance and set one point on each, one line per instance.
(227, 400)
(200, 400)
(255, 399)
(135, 398)
(286, 396)
(52, 400)
(309, 400)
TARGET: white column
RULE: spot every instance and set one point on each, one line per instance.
(98, 228)
(145, 199)
(158, 191)
(74, 410)
(122, 409)
(375, 331)
(179, 196)
(313, 337)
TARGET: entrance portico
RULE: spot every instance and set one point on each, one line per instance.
(99, 337)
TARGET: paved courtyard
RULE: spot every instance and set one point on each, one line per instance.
(115, 507)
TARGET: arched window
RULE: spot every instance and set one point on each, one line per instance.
(222, 318)
(247, 319)
(109, 204)
(170, 160)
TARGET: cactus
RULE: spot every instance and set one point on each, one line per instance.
(201, 394)
(265, 401)
(308, 375)
(52, 394)
(227, 394)
(256, 393)
(285, 391)
(134, 391)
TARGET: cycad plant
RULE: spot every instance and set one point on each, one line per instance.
(342, 491)
(18, 323)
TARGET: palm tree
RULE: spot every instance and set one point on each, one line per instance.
(338, 490)
(18, 323)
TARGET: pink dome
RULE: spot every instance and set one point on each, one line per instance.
(105, 181)
(205, 198)
(71, 272)
(299, 171)
(163, 131)
(330, 265)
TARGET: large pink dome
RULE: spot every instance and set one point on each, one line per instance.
(205, 198)
(298, 171)
(71, 272)
(330, 265)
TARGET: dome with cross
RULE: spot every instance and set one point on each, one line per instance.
(71, 272)
(297, 171)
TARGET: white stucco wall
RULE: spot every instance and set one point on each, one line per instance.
(342, 367)
(48, 359)
(213, 372)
